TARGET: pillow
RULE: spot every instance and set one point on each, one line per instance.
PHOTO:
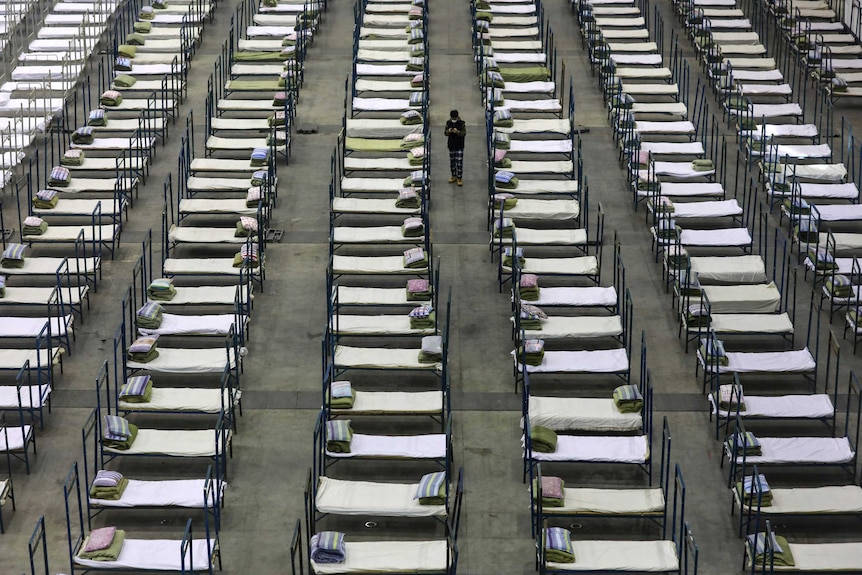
(259, 177)
(559, 539)
(413, 224)
(411, 114)
(116, 428)
(74, 154)
(340, 389)
(499, 155)
(248, 223)
(713, 347)
(421, 312)
(249, 253)
(260, 154)
(533, 346)
(105, 478)
(253, 195)
(432, 344)
(533, 311)
(407, 194)
(418, 152)
(417, 98)
(413, 138)
(135, 386)
(150, 310)
(416, 36)
(330, 540)
(840, 280)
(418, 286)
(123, 64)
(144, 344)
(14, 252)
(418, 79)
(430, 485)
(96, 117)
(413, 256)
(503, 176)
(552, 487)
(528, 281)
(338, 430)
(111, 95)
(32, 221)
(100, 539)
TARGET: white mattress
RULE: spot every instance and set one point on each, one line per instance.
(544, 237)
(597, 449)
(678, 189)
(756, 75)
(800, 451)
(153, 554)
(351, 295)
(375, 235)
(116, 143)
(581, 414)
(388, 556)
(636, 59)
(684, 148)
(189, 234)
(171, 442)
(642, 73)
(383, 70)
(847, 191)
(745, 323)
(377, 128)
(15, 436)
(577, 327)
(375, 499)
(541, 147)
(173, 360)
(31, 396)
(669, 108)
(784, 130)
(609, 501)
(545, 105)
(373, 265)
(394, 403)
(197, 184)
(186, 493)
(718, 237)
(104, 232)
(376, 325)
(538, 126)
(49, 265)
(363, 85)
(758, 298)
(216, 165)
(639, 556)
(729, 269)
(774, 110)
(838, 213)
(173, 324)
(382, 164)
(41, 295)
(836, 499)
(380, 358)
(793, 361)
(541, 167)
(202, 266)
(678, 170)
(813, 406)
(215, 206)
(432, 446)
(538, 186)
(715, 209)
(577, 266)
(350, 205)
(181, 399)
(576, 296)
(31, 326)
(528, 209)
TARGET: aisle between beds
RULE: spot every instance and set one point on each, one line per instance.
(184, 555)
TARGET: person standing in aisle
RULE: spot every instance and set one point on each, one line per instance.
(456, 130)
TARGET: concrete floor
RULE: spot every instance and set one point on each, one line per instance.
(281, 383)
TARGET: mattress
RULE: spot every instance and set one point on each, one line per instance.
(748, 269)
(638, 556)
(153, 554)
(801, 451)
(173, 324)
(814, 406)
(394, 403)
(581, 414)
(351, 295)
(175, 360)
(181, 399)
(381, 358)
(585, 500)
(388, 556)
(185, 493)
(376, 325)
(432, 446)
(374, 499)
(597, 449)
(753, 299)
(577, 327)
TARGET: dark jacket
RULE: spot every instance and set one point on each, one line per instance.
(456, 138)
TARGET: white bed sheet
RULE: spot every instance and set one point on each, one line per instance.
(375, 499)
(31, 396)
(152, 554)
(576, 296)
(373, 265)
(376, 325)
(175, 360)
(577, 327)
(581, 414)
(813, 406)
(586, 500)
(800, 451)
(394, 403)
(186, 493)
(203, 295)
(172, 443)
(836, 499)
(758, 298)
(388, 556)
(638, 556)
(718, 238)
(597, 449)
(431, 446)
(211, 324)
(709, 209)
(748, 269)
(192, 399)
(22, 327)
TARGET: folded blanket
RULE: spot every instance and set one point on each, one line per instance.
(277, 119)
(127, 51)
(259, 157)
(508, 201)
(410, 117)
(109, 493)
(159, 4)
(97, 118)
(280, 99)
(415, 258)
(712, 349)
(839, 286)
(73, 157)
(781, 555)
(431, 350)
(144, 349)
(149, 316)
(542, 439)
(136, 39)
(327, 547)
(509, 257)
(161, 289)
(486, 16)
(628, 399)
(505, 180)
(558, 545)
(13, 256)
(408, 198)
(137, 389)
(432, 489)
(418, 290)
(82, 136)
(666, 229)
(413, 228)
(503, 119)
(338, 436)
(122, 444)
(730, 397)
(109, 553)
(746, 443)
(33, 226)
(528, 287)
(125, 81)
(341, 395)
(503, 228)
(533, 351)
(702, 165)
(60, 176)
(822, 259)
(143, 27)
(746, 490)
(553, 494)
(146, 13)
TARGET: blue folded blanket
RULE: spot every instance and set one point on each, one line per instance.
(327, 547)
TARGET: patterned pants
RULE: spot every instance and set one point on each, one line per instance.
(456, 163)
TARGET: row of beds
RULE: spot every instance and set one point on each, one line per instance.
(566, 322)
(229, 293)
(57, 277)
(707, 289)
(380, 198)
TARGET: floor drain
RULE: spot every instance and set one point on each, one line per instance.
(273, 235)
(7, 234)
(575, 526)
(370, 524)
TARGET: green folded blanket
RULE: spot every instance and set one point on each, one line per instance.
(526, 74)
(408, 203)
(254, 56)
(424, 322)
(528, 294)
(439, 499)
(533, 359)
(65, 160)
(127, 51)
(416, 232)
(35, 230)
(487, 16)
(136, 39)
(510, 185)
(542, 439)
(143, 27)
(507, 261)
(122, 445)
(338, 446)
(628, 399)
(429, 357)
(342, 402)
(11, 263)
(703, 165)
(148, 322)
(750, 498)
(782, 559)
(144, 357)
(110, 493)
(747, 444)
(125, 81)
(145, 397)
(111, 553)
